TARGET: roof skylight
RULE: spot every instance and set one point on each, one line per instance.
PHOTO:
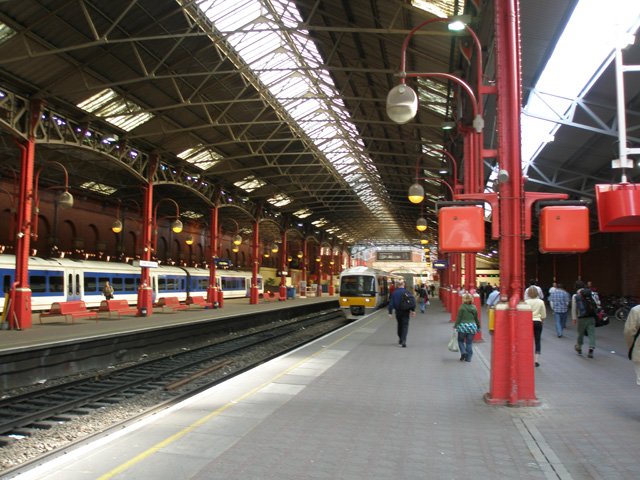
(440, 8)
(304, 213)
(202, 158)
(6, 32)
(580, 57)
(250, 183)
(284, 58)
(279, 200)
(98, 188)
(116, 110)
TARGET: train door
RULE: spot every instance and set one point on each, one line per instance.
(74, 285)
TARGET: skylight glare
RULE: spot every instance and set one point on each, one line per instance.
(98, 188)
(250, 183)
(304, 213)
(116, 110)
(279, 200)
(201, 157)
(584, 49)
(6, 32)
(269, 38)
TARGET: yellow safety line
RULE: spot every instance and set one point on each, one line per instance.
(158, 446)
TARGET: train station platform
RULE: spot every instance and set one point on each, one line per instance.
(355, 405)
(55, 330)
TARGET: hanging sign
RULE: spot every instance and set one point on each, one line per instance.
(440, 264)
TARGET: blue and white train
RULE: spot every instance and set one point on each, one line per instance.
(62, 279)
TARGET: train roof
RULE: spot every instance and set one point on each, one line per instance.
(366, 271)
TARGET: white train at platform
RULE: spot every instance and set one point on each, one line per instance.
(363, 290)
(62, 279)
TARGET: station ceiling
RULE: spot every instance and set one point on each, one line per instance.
(282, 108)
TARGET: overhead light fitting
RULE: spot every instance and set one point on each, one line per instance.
(402, 104)
(416, 193)
(458, 22)
(448, 125)
(421, 224)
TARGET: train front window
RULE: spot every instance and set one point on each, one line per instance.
(357, 286)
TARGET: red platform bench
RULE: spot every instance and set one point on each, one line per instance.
(117, 306)
(267, 298)
(277, 296)
(171, 302)
(198, 301)
(73, 309)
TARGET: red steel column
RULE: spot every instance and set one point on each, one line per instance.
(145, 292)
(21, 292)
(254, 294)
(212, 290)
(512, 375)
(284, 252)
(303, 291)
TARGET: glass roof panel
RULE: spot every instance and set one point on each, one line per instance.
(201, 157)
(6, 32)
(304, 213)
(250, 183)
(256, 30)
(98, 188)
(279, 200)
(440, 8)
(116, 110)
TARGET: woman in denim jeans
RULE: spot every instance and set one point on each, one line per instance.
(467, 324)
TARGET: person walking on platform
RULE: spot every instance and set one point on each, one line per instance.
(467, 325)
(398, 301)
(422, 297)
(107, 291)
(559, 301)
(586, 323)
(539, 314)
(631, 333)
(493, 297)
(532, 283)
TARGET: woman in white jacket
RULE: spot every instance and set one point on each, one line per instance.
(631, 327)
(539, 314)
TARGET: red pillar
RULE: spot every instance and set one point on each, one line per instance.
(303, 290)
(254, 294)
(145, 292)
(212, 290)
(20, 312)
(284, 252)
(512, 374)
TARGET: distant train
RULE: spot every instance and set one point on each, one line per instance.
(62, 279)
(363, 290)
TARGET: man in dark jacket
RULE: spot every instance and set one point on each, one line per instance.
(402, 316)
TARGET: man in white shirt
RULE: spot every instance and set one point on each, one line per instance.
(494, 297)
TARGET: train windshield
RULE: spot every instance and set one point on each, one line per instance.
(358, 285)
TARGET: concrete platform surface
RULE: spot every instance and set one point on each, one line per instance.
(355, 405)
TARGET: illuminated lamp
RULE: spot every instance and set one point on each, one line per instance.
(421, 224)
(300, 254)
(116, 227)
(176, 226)
(189, 240)
(416, 193)
(237, 240)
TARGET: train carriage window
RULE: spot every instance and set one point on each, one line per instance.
(38, 283)
(77, 284)
(56, 284)
(182, 284)
(171, 284)
(90, 284)
(162, 284)
(117, 284)
(129, 284)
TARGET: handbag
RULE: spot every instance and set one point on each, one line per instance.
(601, 317)
(453, 343)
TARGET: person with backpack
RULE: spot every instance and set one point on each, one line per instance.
(404, 304)
(583, 310)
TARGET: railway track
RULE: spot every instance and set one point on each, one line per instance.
(23, 415)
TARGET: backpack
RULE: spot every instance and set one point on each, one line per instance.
(407, 302)
(587, 306)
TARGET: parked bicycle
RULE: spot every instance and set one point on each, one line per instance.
(618, 306)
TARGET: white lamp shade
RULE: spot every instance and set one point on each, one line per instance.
(402, 104)
(416, 193)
